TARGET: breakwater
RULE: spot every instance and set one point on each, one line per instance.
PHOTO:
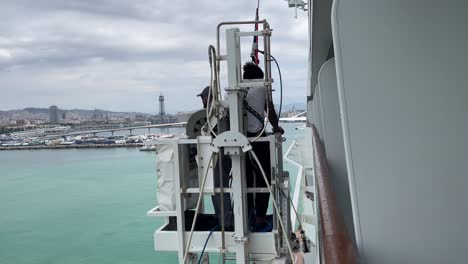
(74, 146)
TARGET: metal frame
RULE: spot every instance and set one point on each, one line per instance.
(235, 144)
(268, 243)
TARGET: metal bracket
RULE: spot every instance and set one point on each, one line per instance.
(241, 239)
(231, 139)
(236, 89)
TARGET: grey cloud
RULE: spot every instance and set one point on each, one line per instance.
(77, 53)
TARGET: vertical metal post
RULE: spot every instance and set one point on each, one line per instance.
(180, 205)
(235, 97)
(266, 48)
(235, 93)
(276, 194)
(240, 205)
(283, 199)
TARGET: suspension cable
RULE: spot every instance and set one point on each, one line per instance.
(289, 199)
(251, 152)
(200, 198)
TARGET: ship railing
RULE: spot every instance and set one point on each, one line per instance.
(337, 246)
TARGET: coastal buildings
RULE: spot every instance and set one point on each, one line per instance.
(53, 115)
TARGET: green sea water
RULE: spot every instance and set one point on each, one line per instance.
(80, 206)
(75, 206)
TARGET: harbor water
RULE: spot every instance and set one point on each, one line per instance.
(81, 206)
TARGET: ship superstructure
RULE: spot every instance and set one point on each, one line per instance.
(386, 111)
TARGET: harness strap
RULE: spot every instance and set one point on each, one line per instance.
(251, 110)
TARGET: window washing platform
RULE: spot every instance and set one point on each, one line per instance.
(166, 237)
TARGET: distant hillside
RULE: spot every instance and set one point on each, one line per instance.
(34, 113)
(35, 110)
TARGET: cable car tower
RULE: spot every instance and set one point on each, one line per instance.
(162, 109)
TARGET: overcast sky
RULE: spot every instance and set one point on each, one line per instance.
(120, 55)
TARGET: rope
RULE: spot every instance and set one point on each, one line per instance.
(251, 152)
(200, 198)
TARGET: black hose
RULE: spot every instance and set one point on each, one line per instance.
(281, 82)
(281, 85)
(206, 242)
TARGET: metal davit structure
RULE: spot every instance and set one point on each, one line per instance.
(188, 171)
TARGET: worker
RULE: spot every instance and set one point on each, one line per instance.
(255, 105)
(226, 163)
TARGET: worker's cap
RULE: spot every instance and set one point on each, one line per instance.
(205, 92)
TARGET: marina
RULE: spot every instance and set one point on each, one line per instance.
(73, 146)
(80, 141)
(63, 137)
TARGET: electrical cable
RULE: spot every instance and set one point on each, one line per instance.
(281, 82)
(281, 85)
(254, 156)
(206, 242)
(214, 62)
(212, 99)
(200, 198)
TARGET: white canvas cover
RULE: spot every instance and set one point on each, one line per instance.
(166, 175)
(166, 163)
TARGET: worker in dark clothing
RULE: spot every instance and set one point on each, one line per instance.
(226, 163)
(204, 96)
(255, 105)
